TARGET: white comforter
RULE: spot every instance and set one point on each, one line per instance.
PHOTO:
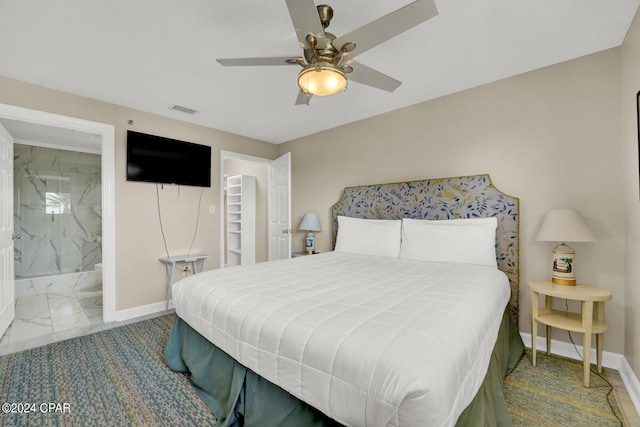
(367, 340)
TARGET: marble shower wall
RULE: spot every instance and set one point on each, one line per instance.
(57, 211)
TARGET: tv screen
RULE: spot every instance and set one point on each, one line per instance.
(157, 159)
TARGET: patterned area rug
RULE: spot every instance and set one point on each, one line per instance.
(552, 394)
(119, 378)
(113, 378)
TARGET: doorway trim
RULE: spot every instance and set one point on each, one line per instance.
(107, 134)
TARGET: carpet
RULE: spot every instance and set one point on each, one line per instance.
(119, 378)
(116, 377)
(552, 394)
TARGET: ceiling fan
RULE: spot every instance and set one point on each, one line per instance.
(327, 59)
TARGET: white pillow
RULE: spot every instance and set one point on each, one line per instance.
(369, 236)
(465, 240)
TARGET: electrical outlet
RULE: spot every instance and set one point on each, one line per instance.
(212, 209)
(186, 268)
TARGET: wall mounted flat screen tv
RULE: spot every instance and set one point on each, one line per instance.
(162, 160)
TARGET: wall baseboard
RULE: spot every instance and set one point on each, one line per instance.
(143, 310)
(566, 349)
(631, 382)
(609, 360)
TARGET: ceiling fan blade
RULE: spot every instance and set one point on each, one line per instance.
(388, 26)
(370, 77)
(304, 16)
(242, 62)
(303, 98)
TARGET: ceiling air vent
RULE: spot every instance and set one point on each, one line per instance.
(182, 109)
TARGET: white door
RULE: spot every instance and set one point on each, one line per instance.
(7, 286)
(279, 202)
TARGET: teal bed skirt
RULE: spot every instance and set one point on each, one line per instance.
(238, 396)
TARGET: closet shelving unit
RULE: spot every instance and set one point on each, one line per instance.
(241, 220)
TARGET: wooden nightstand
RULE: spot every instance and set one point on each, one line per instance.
(590, 321)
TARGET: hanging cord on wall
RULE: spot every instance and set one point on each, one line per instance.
(611, 387)
(164, 239)
(195, 232)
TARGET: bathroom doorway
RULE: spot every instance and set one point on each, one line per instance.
(57, 224)
(89, 146)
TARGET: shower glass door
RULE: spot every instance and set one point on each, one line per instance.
(58, 212)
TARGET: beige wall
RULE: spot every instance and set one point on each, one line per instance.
(630, 86)
(562, 136)
(259, 170)
(140, 278)
(550, 137)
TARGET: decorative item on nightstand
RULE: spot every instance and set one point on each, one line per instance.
(310, 223)
(564, 225)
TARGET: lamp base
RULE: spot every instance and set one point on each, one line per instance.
(310, 243)
(563, 282)
(563, 265)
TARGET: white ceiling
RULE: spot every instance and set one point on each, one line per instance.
(51, 136)
(152, 54)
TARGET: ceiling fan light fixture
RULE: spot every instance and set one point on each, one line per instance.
(322, 79)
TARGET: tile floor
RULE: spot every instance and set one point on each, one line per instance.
(46, 318)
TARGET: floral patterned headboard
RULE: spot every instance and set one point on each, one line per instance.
(442, 198)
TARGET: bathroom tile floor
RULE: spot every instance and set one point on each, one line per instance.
(45, 318)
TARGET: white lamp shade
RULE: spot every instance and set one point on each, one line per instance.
(564, 225)
(310, 222)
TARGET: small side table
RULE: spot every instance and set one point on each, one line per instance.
(171, 267)
(590, 321)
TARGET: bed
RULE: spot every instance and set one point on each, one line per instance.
(359, 335)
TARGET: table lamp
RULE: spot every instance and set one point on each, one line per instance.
(564, 225)
(310, 223)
